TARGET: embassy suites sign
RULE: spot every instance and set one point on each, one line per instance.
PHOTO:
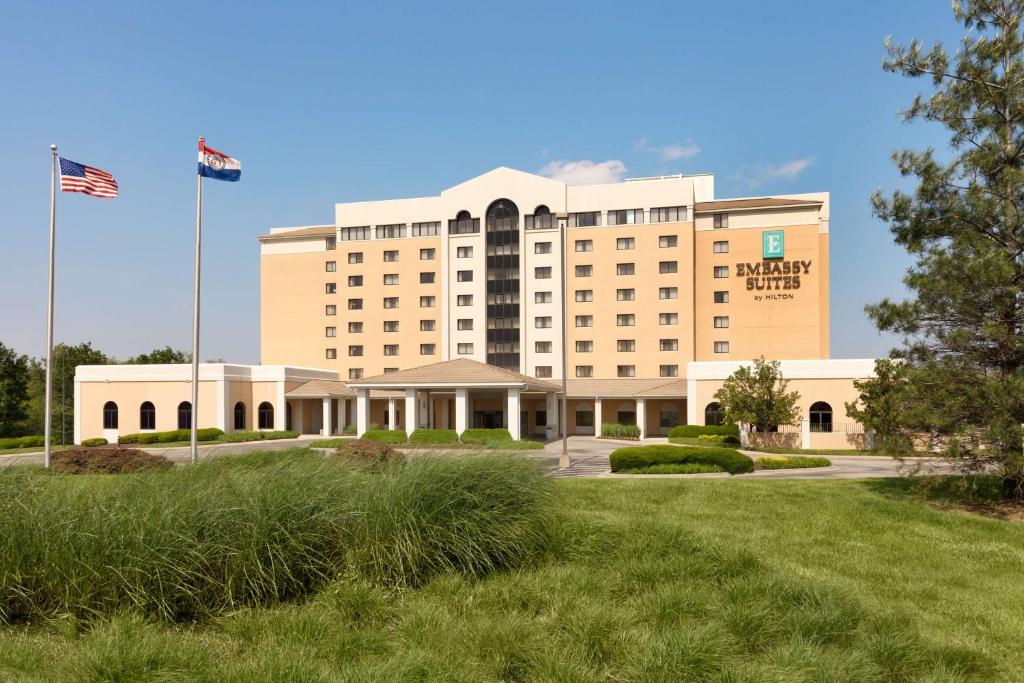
(774, 272)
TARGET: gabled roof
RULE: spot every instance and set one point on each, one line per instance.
(627, 388)
(321, 388)
(316, 231)
(753, 203)
(460, 372)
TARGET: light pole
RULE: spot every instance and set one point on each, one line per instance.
(563, 459)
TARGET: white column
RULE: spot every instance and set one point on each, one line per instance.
(598, 420)
(362, 410)
(691, 401)
(512, 413)
(326, 419)
(391, 413)
(280, 410)
(78, 412)
(552, 410)
(461, 410)
(297, 421)
(641, 416)
(805, 433)
(410, 411)
(222, 406)
(444, 413)
(342, 415)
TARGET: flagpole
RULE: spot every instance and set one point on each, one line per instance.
(195, 316)
(49, 308)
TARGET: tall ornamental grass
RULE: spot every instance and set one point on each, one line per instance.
(195, 541)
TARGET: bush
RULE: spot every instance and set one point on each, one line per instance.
(90, 443)
(205, 434)
(146, 438)
(240, 436)
(22, 442)
(791, 462)
(679, 468)
(373, 455)
(349, 430)
(384, 435)
(620, 431)
(279, 434)
(694, 431)
(486, 437)
(637, 457)
(111, 460)
(434, 436)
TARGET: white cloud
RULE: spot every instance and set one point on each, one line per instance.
(673, 152)
(585, 172)
(788, 170)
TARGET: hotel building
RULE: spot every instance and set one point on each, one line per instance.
(447, 311)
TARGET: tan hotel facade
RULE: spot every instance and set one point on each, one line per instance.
(666, 288)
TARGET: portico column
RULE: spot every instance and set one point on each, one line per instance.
(391, 413)
(512, 413)
(598, 420)
(280, 409)
(326, 420)
(551, 408)
(641, 416)
(805, 433)
(461, 408)
(362, 410)
(410, 411)
(342, 415)
(297, 422)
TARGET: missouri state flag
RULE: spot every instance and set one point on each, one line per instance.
(217, 165)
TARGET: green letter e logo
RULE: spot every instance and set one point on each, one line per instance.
(772, 243)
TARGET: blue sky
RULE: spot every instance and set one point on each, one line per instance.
(331, 102)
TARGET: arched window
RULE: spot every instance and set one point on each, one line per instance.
(541, 211)
(147, 416)
(110, 415)
(540, 218)
(713, 414)
(502, 215)
(239, 416)
(185, 415)
(821, 417)
(265, 415)
(463, 224)
(462, 216)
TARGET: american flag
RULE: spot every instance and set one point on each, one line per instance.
(75, 177)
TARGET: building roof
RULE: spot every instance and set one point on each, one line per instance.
(626, 388)
(753, 203)
(315, 231)
(321, 388)
(455, 373)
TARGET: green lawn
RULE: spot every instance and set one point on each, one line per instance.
(651, 580)
(833, 451)
(30, 449)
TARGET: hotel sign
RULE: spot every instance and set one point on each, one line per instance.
(773, 272)
(772, 244)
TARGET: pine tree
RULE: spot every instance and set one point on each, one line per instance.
(964, 224)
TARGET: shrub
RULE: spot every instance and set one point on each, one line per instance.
(620, 431)
(792, 462)
(147, 438)
(349, 430)
(434, 436)
(679, 468)
(694, 431)
(486, 437)
(279, 434)
(205, 434)
(384, 435)
(90, 443)
(638, 457)
(373, 455)
(240, 436)
(22, 442)
(111, 460)
(129, 438)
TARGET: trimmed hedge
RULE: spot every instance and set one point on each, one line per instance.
(720, 438)
(694, 431)
(23, 442)
(385, 436)
(639, 457)
(620, 431)
(791, 462)
(486, 437)
(111, 460)
(205, 434)
(92, 443)
(432, 436)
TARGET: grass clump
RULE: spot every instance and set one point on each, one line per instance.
(373, 455)
(694, 431)
(385, 435)
(620, 431)
(113, 460)
(434, 436)
(634, 458)
(792, 462)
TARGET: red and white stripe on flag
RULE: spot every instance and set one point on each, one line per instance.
(75, 177)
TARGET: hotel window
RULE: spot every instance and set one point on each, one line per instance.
(542, 347)
(584, 347)
(584, 321)
(428, 325)
(542, 297)
(426, 229)
(464, 276)
(541, 218)
(331, 243)
(668, 292)
(721, 271)
(355, 257)
(668, 370)
(625, 320)
(352, 234)
(355, 373)
(625, 269)
(542, 248)
(721, 297)
(721, 220)
(542, 418)
(586, 219)
(387, 371)
(584, 245)
(465, 349)
(427, 278)
(625, 370)
(391, 326)
(356, 350)
(391, 349)
(355, 280)
(464, 324)
(331, 288)
(668, 267)
(584, 370)
(668, 344)
(584, 418)
(542, 273)
(625, 345)
(668, 214)
(110, 415)
(667, 241)
(355, 328)
(331, 309)
(463, 224)
(623, 243)
(668, 318)
(721, 347)
(542, 371)
(721, 247)
(355, 304)
(427, 349)
(542, 322)
(330, 331)
(391, 302)
(584, 271)
(390, 256)
(625, 216)
(625, 295)
(464, 300)
(331, 354)
(584, 295)
(721, 322)
(464, 252)
(390, 231)
(427, 302)
(331, 266)
(428, 254)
